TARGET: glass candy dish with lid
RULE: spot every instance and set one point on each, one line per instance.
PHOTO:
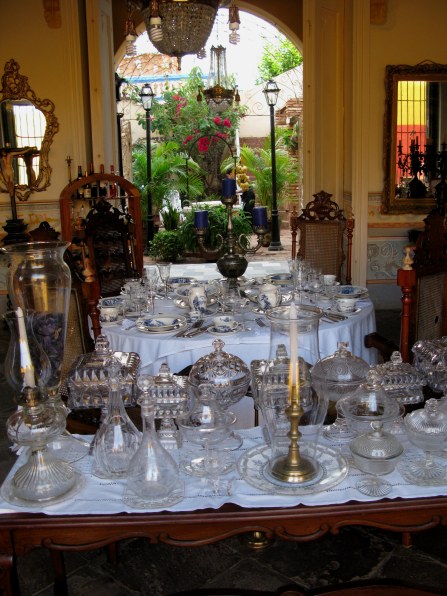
(338, 376)
(228, 376)
(401, 380)
(426, 429)
(368, 403)
(87, 379)
(376, 453)
(430, 359)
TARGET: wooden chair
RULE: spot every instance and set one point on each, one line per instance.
(323, 232)
(423, 283)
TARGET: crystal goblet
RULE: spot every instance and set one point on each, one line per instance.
(164, 270)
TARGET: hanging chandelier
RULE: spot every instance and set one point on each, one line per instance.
(218, 95)
(179, 27)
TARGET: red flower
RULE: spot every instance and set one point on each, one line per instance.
(176, 97)
(203, 144)
(188, 138)
(217, 120)
(227, 123)
(222, 135)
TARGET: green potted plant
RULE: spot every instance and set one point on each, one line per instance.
(166, 246)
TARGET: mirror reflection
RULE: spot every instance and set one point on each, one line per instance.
(27, 127)
(415, 138)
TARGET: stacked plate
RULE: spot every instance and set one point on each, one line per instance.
(357, 291)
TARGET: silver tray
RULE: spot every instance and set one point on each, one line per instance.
(252, 468)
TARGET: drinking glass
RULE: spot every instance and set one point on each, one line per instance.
(151, 282)
(215, 463)
(316, 283)
(164, 269)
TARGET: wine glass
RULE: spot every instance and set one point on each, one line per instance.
(316, 283)
(215, 463)
(164, 269)
(151, 280)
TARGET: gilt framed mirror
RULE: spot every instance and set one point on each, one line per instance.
(415, 137)
(27, 128)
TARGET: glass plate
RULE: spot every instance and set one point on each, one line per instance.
(405, 471)
(195, 466)
(136, 502)
(252, 464)
(159, 330)
(8, 494)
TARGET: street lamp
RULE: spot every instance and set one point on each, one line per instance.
(271, 92)
(147, 100)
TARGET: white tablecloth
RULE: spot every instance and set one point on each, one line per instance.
(154, 349)
(105, 496)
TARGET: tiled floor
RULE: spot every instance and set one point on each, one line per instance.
(160, 570)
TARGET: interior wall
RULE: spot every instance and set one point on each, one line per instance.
(53, 59)
(412, 32)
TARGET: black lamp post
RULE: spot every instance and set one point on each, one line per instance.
(271, 92)
(147, 100)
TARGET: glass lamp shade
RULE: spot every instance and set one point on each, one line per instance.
(40, 280)
(147, 97)
(271, 92)
(26, 363)
(294, 349)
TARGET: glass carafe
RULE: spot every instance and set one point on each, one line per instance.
(294, 412)
(117, 438)
(152, 475)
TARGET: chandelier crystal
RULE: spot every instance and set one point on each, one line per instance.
(179, 27)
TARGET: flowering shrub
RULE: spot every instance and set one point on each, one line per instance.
(180, 117)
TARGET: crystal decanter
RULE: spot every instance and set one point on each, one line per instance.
(117, 438)
(152, 476)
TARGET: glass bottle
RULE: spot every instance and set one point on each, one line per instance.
(117, 438)
(152, 476)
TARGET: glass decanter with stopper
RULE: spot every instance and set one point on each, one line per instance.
(117, 438)
(43, 478)
(152, 475)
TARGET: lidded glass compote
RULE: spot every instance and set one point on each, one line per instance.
(228, 378)
(117, 438)
(368, 403)
(338, 376)
(376, 453)
(427, 429)
(152, 474)
(43, 478)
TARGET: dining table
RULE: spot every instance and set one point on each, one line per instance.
(252, 342)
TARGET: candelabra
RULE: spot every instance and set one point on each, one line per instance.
(424, 167)
(232, 264)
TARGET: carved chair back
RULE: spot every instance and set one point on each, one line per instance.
(323, 231)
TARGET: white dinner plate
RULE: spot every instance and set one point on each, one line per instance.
(343, 291)
(279, 278)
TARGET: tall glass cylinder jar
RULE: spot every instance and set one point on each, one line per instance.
(292, 410)
(39, 279)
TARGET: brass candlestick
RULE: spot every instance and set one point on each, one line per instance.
(294, 468)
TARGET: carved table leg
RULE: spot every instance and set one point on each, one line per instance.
(8, 576)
